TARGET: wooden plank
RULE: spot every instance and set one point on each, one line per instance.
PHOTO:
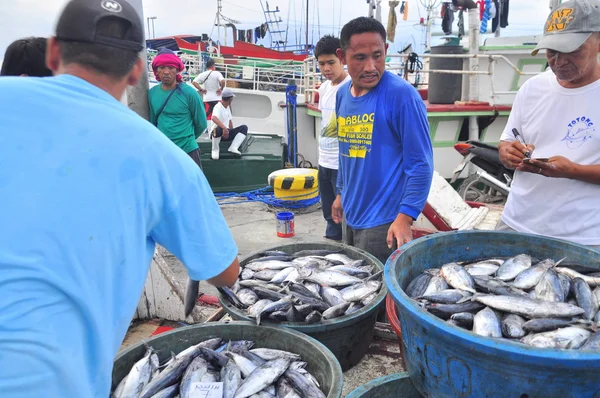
(218, 314)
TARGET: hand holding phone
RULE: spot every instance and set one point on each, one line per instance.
(528, 160)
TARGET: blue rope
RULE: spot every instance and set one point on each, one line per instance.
(266, 196)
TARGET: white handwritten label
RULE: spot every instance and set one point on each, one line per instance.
(206, 390)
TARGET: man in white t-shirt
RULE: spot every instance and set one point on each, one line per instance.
(332, 69)
(221, 126)
(556, 114)
(210, 84)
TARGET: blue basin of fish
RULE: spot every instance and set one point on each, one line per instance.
(446, 361)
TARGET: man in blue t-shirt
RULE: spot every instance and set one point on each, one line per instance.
(88, 189)
(386, 159)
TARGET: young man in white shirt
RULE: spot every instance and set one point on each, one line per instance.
(210, 84)
(221, 126)
(333, 70)
(556, 113)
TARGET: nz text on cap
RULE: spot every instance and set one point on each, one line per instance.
(570, 25)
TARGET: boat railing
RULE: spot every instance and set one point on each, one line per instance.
(398, 64)
(252, 74)
(263, 76)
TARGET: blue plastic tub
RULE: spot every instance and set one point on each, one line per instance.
(397, 385)
(445, 361)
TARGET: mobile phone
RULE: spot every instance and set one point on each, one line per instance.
(528, 160)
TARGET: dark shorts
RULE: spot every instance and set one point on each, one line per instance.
(327, 190)
(243, 129)
(208, 107)
(371, 240)
(195, 155)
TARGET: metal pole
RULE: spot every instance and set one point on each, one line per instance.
(306, 26)
(148, 20)
(153, 31)
(292, 127)
(474, 67)
(219, 25)
(137, 96)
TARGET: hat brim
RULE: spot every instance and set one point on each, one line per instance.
(561, 42)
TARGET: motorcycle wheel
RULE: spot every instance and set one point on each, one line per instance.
(474, 190)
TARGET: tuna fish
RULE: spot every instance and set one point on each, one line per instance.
(585, 298)
(262, 377)
(512, 326)
(513, 267)
(570, 337)
(486, 323)
(457, 277)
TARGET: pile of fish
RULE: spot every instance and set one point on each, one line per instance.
(244, 371)
(307, 286)
(537, 303)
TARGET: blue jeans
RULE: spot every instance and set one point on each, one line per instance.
(327, 189)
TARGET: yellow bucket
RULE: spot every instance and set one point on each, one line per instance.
(295, 184)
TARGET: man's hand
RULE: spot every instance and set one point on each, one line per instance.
(400, 230)
(556, 167)
(225, 133)
(204, 91)
(336, 210)
(219, 91)
(512, 153)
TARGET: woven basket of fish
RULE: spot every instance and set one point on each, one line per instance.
(235, 359)
(397, 385)
(498, 314)
(331, 292)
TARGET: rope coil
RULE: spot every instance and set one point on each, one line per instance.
(266, 196)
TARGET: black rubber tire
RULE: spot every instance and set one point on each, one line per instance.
(467, 185)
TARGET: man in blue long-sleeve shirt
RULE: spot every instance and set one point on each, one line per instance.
(386, 159)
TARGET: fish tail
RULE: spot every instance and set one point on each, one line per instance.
(559, 261)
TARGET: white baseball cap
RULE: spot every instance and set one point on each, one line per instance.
(227, 93)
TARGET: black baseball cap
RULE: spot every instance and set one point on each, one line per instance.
(79, 19)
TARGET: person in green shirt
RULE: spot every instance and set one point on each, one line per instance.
(176, 109)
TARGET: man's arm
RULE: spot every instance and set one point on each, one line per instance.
(227, 277)
(191, 225)
(512, 153)
(417, 154)
(198, 114)
(196, 82)
(198, 87)
(585, 173)
(221, 83)
(561, 167)
(219, 123)
(337, 210)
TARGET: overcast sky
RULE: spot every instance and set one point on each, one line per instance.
(22, 18)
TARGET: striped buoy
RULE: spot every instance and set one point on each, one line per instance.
(294, 184)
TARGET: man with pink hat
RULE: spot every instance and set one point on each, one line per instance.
(176, 109)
